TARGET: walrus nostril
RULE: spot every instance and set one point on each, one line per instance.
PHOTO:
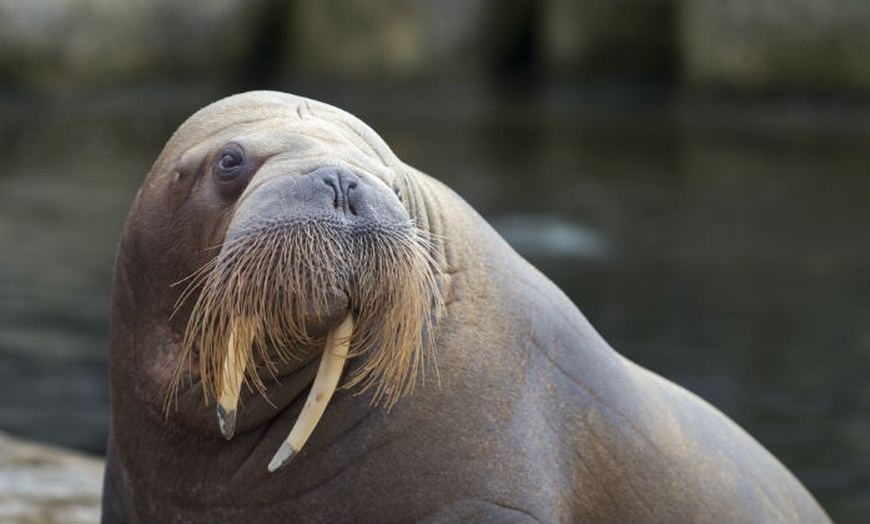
(351, 185)
(342, 183)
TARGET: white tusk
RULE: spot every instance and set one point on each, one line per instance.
(231, 385)
(331, 365)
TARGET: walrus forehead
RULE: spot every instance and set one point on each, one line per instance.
(276, 120)
(287, 138)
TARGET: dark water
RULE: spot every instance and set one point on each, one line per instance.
(727, 250)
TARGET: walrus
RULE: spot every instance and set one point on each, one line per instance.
(304, 328)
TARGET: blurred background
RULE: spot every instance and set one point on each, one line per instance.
(695, 174)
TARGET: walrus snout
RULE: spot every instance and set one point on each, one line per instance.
(327, 193)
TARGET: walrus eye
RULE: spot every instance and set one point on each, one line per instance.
(232, 170)
(232, 157)
(230, 160)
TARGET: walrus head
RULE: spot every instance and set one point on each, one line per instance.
(287, 231)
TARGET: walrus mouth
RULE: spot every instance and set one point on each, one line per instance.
(264, 295)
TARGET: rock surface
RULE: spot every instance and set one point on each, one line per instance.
(57, 44)
(42, 484)
(402, 38)
(602, 38)
(776, 44)
(811, 45)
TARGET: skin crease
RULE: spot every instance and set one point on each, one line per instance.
(531, 415)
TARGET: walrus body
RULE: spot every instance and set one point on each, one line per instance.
(521, 411)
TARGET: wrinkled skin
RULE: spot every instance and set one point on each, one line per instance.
(531, 416)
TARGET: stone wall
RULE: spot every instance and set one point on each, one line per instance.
(776, 44)
(598, 39)
(742, 44)
(398, 38)
(58, 44)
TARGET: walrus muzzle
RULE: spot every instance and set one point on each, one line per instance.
(276, 278)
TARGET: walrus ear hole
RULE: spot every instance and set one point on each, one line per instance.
(231, 169)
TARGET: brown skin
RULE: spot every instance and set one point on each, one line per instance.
(535, 416)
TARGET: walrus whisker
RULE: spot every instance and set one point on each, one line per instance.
(255, 300)
(331, 365)
(194, 280)
(399, 276)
